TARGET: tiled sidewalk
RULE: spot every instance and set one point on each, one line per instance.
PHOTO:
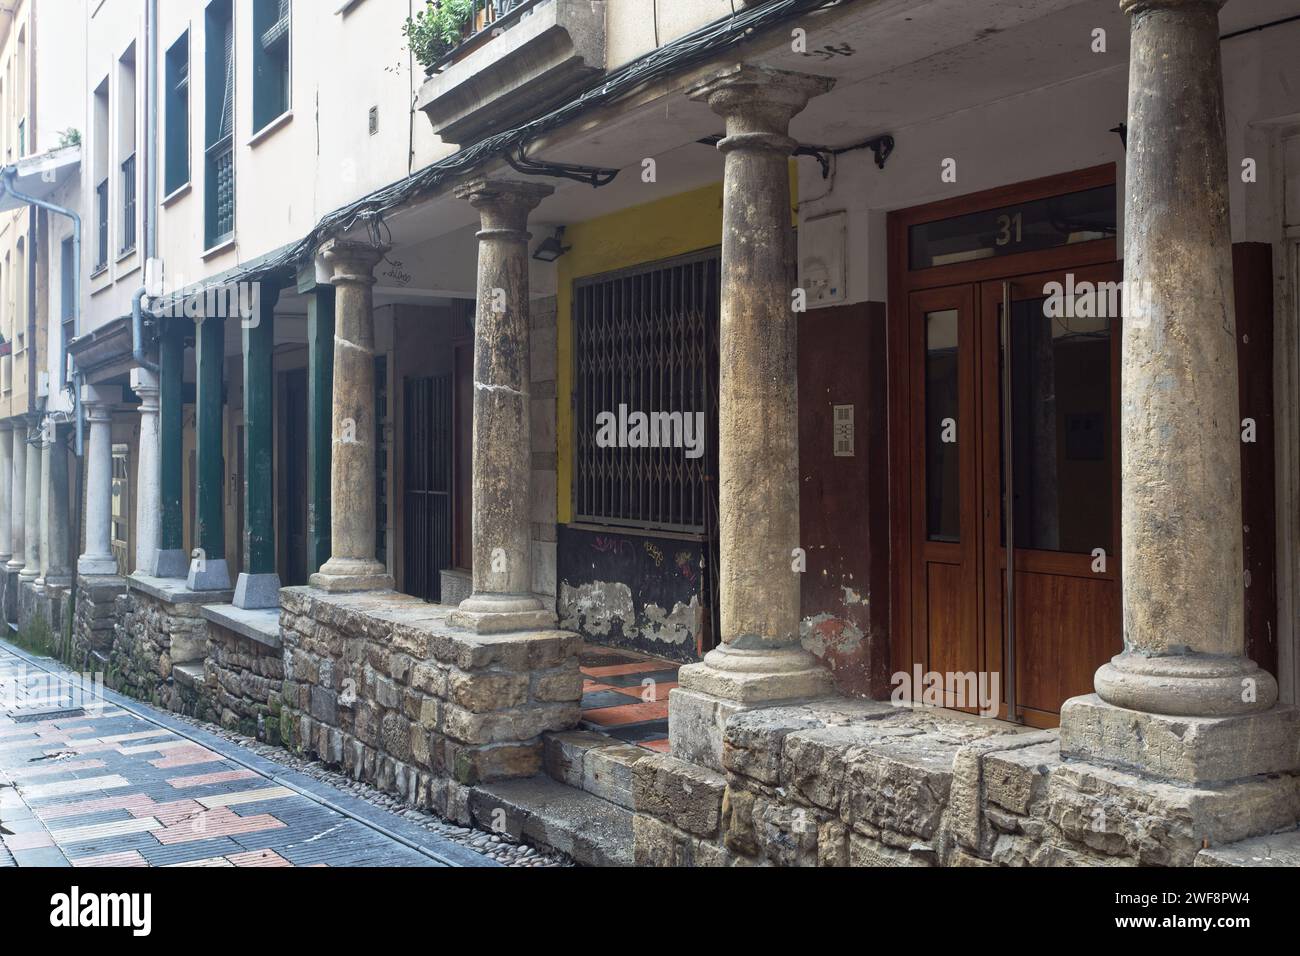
(625, 695)
(87, 783)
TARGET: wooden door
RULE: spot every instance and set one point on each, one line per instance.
(1063, 447)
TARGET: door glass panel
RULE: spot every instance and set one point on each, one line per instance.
(1061, 397)
(942, 501)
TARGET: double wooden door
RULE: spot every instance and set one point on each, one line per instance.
(1055, 458)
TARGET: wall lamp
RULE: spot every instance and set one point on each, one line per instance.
(552, 248)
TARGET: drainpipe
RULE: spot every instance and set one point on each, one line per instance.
(150, 182)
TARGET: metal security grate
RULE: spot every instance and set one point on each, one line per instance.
(128, 204)
(428, 482)
(646, 339)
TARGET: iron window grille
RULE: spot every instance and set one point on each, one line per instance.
(647, 338)
(101, 207)
(128, 204)
(220, 138)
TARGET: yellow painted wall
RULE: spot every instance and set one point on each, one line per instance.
(675, 226)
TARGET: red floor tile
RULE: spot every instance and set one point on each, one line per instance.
(215, 823)
(618, 670)
(658, 746)
(199, 780)
(258, 858)
(129, 858)
(627, 714)
(657, 692)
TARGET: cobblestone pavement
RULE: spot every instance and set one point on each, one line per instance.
(93, 779)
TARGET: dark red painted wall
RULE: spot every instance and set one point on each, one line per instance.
(844, 502)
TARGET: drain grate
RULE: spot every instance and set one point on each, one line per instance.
(32, 717)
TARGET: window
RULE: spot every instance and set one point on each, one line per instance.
(100, 169)
(67, 300)
(219, 141)
(176, 98)
(20, 92)
(646, 341)
(270, 61)
(126, 146)
(121, 517)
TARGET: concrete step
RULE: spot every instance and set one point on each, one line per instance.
(1278, 849)
(542, 811)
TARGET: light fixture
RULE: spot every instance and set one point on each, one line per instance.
(552, 248)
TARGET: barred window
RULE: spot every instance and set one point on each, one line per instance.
(646, 342)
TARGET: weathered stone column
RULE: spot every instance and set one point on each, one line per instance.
(148, 502)
(502, 599)
(6, 491)
(18, 499)
(97, 403)
(352, 565)
(32, 514)
(54, 546)
(760, 658)
(1182, 700)
(259, 584)
(171, 560)
(208, 569)
(42, 501)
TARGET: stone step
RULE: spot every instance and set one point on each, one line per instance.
(542, 811)
(593, 762)
(189, 675)
(1278, 849)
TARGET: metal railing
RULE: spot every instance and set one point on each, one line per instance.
(101, 213)
(486, 18)
(221, 157)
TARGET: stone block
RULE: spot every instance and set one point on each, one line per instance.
(484, 691)
(565, 752)
(1191, 750)
(695, 726)
(607, 772)
(685, 794)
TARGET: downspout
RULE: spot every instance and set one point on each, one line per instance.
(150, 183)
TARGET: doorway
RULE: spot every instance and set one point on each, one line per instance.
(1042, 253)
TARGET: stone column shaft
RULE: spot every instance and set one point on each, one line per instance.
(32, 518)
(97, 406)
(502, 599)
(352, 565)
(760, 658)
(320, 413)
(18, 499)
(259, 585)
(148, 503)
(6, 491)
(54, 549)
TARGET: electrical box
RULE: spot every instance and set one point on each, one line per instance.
(822, 255)
(843, 430)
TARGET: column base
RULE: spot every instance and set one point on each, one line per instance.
(728, 681)
(26, 576)
(502, 614)
(1186, 685)
(341, 575)
(171, 563)
(211, 574)
(254, 592)
(98, 565)
(1186, 750)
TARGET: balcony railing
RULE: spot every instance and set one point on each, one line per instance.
(101, 213)
(128, 205)
(221, 165)
(487, 18)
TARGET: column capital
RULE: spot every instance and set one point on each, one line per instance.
(1134, 7)
(352, 261)
(503, 205)
(145, 384)
(758, 103)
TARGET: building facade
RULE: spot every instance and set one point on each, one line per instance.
(914, 382)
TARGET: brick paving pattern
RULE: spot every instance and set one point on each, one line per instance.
(96, 785)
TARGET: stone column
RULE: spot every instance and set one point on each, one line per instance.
(97, 404)
(320, 402)
(32, 515)
(760, 658)
(54, 547)
(208, 569)
(6, 491)
(171, 560)
(18, 499)
(259, 585)
(1182, 700)
(352, 565)
(148, 503)
(502, 599)
(43, 499)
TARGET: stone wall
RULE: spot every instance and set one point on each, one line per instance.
(157, 626)
(867, 784)
(48, 603)
(380, 685)
(243, 680)
(94, 623)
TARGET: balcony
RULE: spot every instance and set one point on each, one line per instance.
(518, 58)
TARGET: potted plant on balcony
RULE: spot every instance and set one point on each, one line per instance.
(438, 29)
